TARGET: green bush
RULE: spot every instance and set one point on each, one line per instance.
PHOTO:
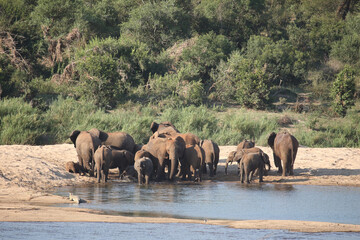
(20, 123)
(207, 52)
(242, 81)
(157, 24)
(283, 63)
(343, 91)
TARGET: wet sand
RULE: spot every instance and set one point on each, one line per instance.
(29, 173)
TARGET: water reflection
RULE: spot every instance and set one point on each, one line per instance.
(220, 200)
(179, 231)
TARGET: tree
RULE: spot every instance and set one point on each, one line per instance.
(343, 91)
(158, 24)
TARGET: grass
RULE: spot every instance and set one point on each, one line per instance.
(22, 124)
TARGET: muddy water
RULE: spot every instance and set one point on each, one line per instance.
(134, 231)
(220, 200)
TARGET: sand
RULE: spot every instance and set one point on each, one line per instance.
(29, 173)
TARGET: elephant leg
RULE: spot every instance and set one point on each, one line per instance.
(147, 177)
(251, 176)
(261, 173)
(215, 168)
(285, 168)
(139, 178)
(160, 172)
(247, 173)
(242, 174)
(211, 168)
(204, 169)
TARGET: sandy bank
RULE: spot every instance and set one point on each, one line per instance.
(27, 173)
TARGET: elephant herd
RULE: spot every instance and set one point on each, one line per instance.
(170, 154)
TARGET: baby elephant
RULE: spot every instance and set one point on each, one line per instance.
(103, 160)
(144, 168)
(249, 163)
(74, 167)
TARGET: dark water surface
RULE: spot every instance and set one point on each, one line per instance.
(219, 200)
(134, 231)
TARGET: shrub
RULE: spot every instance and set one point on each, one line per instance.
(241, 80)
(343, 91)
(20, 123)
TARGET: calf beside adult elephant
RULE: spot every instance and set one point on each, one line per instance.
(144, 169)
(285, 147)
(103, 159)
(251, 162)
(236, 156)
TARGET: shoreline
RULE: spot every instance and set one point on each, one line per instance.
(27, 173)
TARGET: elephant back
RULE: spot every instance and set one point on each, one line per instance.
(245, 144)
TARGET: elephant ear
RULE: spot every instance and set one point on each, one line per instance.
(154, 126)
(100, 134)
(74, 136)
(271, 139)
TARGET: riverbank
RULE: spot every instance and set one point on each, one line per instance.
(29, 173)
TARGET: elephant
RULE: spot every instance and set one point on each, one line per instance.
(163, 149)
(245, 144)
(212, 153)
(103, 160)
(74, 167)
(121, 159)
(144, 169)
(121, 140)
(193, 162)
(86, 144)
(249, 163)
(164, 127)
(238, 155)
(130, 174)
(285, 147)
(189, 138)
(229, 159)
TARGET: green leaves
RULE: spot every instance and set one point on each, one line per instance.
(343, 91)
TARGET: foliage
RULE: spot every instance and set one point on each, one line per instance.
(343, 91)
(241, 80)
(281, 61)
(157, 24)
(206, 53)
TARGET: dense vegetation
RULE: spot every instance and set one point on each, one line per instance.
(204, 65)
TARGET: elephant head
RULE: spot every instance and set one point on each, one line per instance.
(154, 127)
(271, 139)
(266, 161)
(229, 159)
(175, 148)
(73, 137)
(100, 134)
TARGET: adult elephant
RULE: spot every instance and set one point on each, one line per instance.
(212, 153)
(121, 159)
(193, 162)
(189, 138)
(245, 144)
(85, 144)
(163, 149)
(285, 147)
(121, 140)
(164, 127)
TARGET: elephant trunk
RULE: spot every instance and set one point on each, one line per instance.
(174, 160)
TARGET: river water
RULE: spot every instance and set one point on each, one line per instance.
(224, 200)
(206, 200)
